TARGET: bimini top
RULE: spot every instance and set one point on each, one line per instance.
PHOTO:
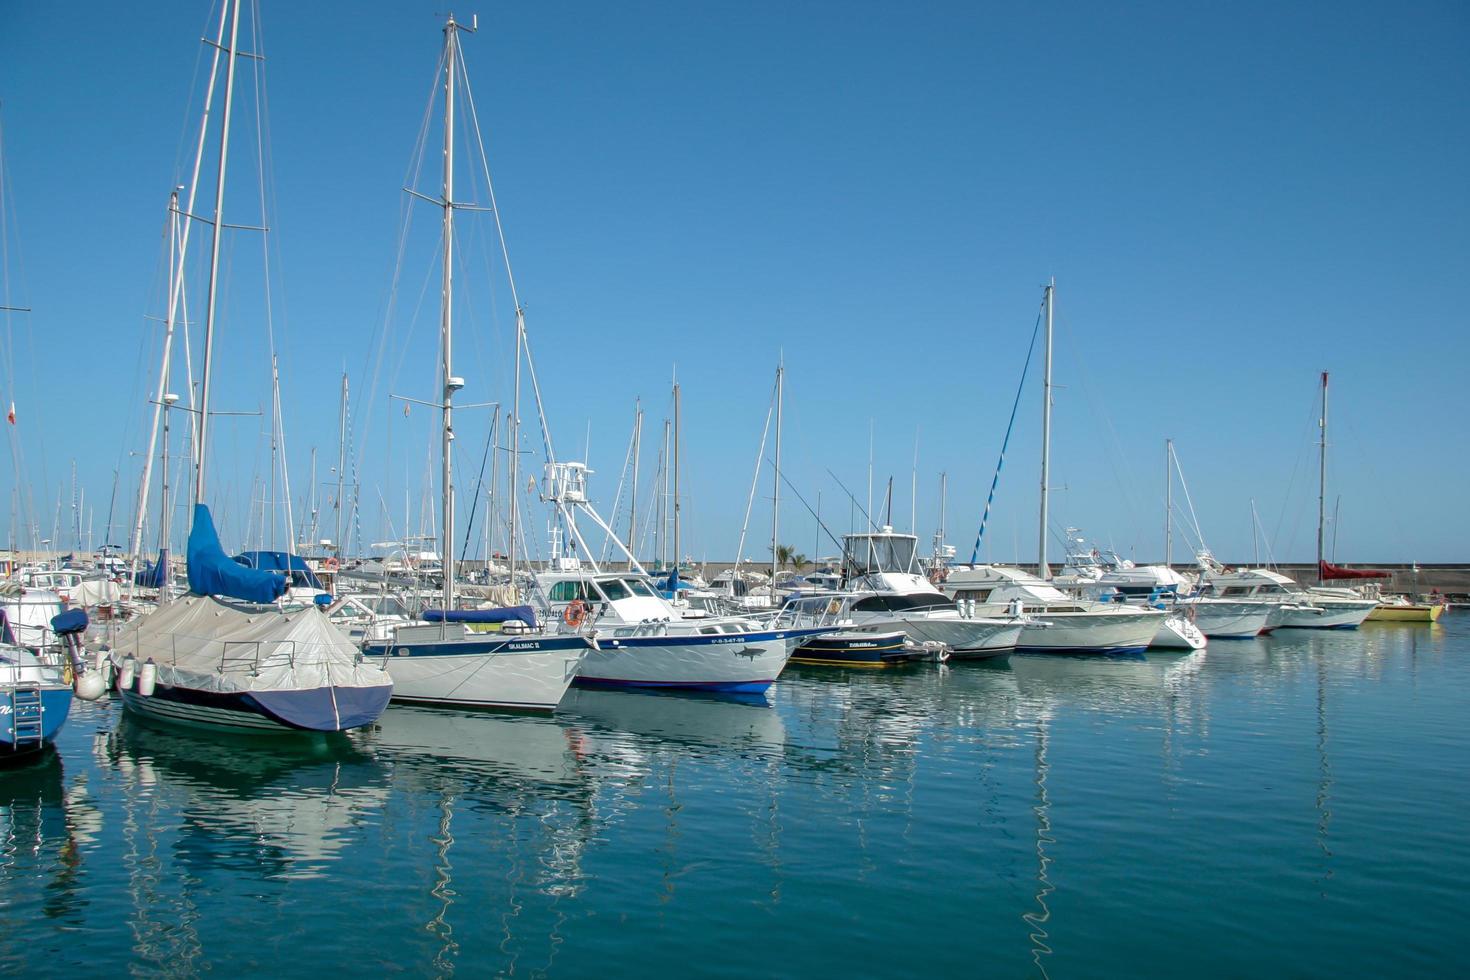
(212, 572)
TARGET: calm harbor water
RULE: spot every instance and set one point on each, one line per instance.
(1294, 805)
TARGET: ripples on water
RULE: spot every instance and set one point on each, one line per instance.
(1288, 805)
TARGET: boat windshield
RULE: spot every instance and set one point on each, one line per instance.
(614, 589)
(869, 554)
(638, 587)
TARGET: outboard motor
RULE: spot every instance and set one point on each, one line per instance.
(69, 627)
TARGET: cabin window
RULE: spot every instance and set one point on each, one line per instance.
(638, 587)
(1237, 590)
(569, 591)
(614, 589)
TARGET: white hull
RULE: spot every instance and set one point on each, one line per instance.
(973, 638)
(1222, 619)
(727, 662)
(1326, 614)
(1091, 632)
(525, 673)
(1178, 633)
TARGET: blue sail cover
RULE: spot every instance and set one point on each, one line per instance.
(280, 561)
(212, 572)
(525, 614)
(71, 621)
(155, 575)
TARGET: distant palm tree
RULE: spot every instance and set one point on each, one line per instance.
(784, 555)
(797, 561)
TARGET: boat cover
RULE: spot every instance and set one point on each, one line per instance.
(153, 576)
(212, 572)
(71, 621)
(280, 561)
(525, 614)
(205, 643)
(1327, 570)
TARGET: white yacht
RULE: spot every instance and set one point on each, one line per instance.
(1059, 623)
(885, 591)
(1214, 617)
(1297, 607)
(644, 640)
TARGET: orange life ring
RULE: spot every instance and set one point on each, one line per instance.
(574, 613)
(330, 564)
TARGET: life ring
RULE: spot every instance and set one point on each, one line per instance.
(574, 613)
(330, 565)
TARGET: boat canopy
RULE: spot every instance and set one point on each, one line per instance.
(525, 614)
(1326, 570)
(212, 572)
(280, 561)
(880, 552)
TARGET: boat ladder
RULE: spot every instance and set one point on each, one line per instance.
(25, 716)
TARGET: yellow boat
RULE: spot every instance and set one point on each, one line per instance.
(1406, 612)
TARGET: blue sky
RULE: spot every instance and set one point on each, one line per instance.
(1231, 199)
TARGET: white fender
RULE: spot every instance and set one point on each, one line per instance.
(126, 673)
(147, 678)
(89, 686)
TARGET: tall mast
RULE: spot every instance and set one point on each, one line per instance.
(341, 463)
(663, 502)
(676, 480)
(1322, 478)
(202, 443)
(446, 317)
(1041, 569)
(637, 452)
(515, 447)
(1168, 502)
(776, 480)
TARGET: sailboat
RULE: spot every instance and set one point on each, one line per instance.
(1057, 623)
(1308, 607)
(480, 658)
(228, 655)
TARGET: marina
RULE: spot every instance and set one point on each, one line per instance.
(449, 626)
(1086, 813)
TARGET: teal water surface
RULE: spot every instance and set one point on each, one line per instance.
(1294, 805)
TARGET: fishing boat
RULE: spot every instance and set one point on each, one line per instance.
(885, 591)
(478, 658)
(644, 639)
(230, 655)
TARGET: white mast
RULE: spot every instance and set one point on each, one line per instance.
(341, 464)
(676, 479)
(446, 315)
(776, 481)
(515, 447)
(1168, 502)
(1041, 570)
(637, 452)
(202, 443)
(1322, 478)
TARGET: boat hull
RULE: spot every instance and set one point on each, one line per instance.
(1398, 613)
(740, 663)
(512, 673)
(1229, 620)
(1327, 614)
(325, 709)
(853, 648)
(27, 730)
(1090, 632)
(964, 639)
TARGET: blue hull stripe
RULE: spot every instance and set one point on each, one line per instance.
(727, 687)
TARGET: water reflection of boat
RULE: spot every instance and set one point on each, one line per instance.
(705, 720)
(42, 835)
(475, 748)
(1107, 683)
(281, 807)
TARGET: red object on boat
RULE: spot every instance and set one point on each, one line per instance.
(1327, 570)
